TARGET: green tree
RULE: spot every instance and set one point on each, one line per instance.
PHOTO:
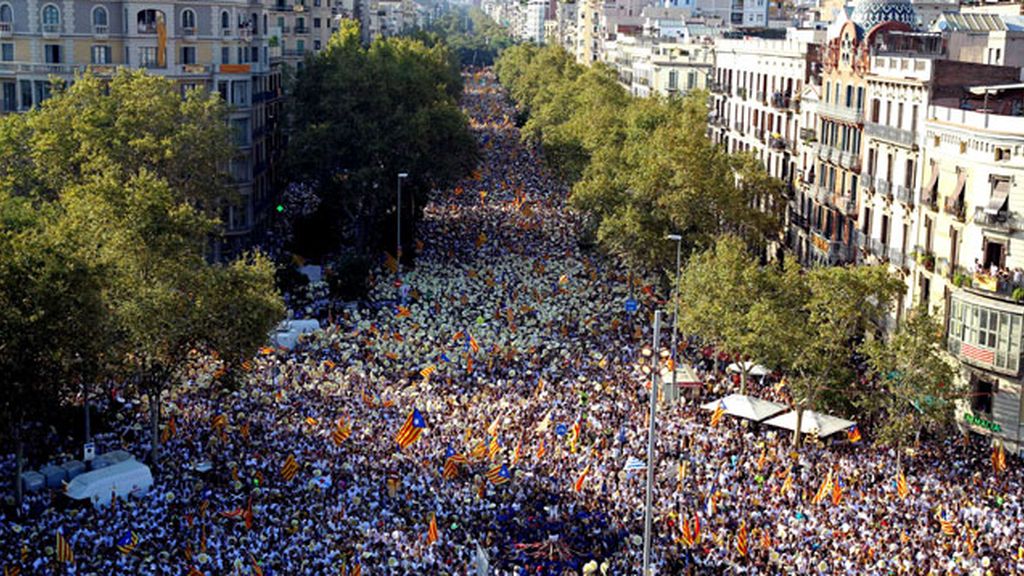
(843, 305)
(914, 386)
(361, 115)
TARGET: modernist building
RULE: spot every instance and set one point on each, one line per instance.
(221, 45)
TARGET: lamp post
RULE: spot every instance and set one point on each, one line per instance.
(398, 243)
(650, 445)
(675, 307)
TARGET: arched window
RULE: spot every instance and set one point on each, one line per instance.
(225, 20)
(99, 17)
(147, 21)
(188, 19)
(51, 18)
(6, 14)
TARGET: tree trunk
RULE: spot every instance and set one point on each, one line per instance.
(743, 378)
(899, 458)
(88, 418)
(19, 494)
(154, 417)
(799, 423)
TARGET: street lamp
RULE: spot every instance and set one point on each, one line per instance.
(675, 310)
(398, 244)
(650, 445)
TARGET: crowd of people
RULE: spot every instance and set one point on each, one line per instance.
(512, 345)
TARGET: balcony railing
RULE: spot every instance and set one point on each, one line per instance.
(51, 29)
(876, 247)
(782, 100)
(823, 195)
(866, 184)
(848, 205)
(6, 29)
(904, 194)
(100, 30)
(844, 113)
(1003, 220)
(955, 208)
(778, 143)
(930, 200)
(827, 153)
(896, 257)
(808, 135)
(882, 186)
(301, 30)
(147, 28)
(899, 136)
(850, 161)
(188, 32)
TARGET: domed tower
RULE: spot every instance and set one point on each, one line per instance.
(869, 13)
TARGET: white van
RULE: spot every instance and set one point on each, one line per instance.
(126, 478)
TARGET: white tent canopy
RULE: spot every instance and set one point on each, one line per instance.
(685, 376)
(813, 423)
(747, 407)
(752, 369)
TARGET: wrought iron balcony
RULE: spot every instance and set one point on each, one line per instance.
(843, 113)
(882, 186)
(904, 194)
(899, 136)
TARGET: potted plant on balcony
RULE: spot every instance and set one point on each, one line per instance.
(1018, 294)
(961, 279)
(926, 259)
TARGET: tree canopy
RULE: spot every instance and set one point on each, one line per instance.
(359, 117)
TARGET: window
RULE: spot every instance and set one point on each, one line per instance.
(6, 52)
(188, 55)
(316, 23)
(300, 45)
(101, 55)
(673, 80)
(225, 55)
(52, 53)
(51, 19)
(26, 94)
(984, 336)
(300, 24)
(1002, 153)
(188, 21)
(10, 97)
(6, 14)
(316, 45)
(149, 21)
(225, 20)
(242, 134)
(240, 93)
(149, 57)
(99, 19)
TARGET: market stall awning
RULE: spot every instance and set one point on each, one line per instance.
(685, 376)
(752, 369)
(748, 407)
(813, 423)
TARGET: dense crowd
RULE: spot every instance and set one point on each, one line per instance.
(513, 345)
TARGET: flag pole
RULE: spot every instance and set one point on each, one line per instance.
(650, 444)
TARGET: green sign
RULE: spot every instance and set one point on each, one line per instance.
(973, 420)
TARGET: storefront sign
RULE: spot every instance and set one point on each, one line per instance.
(973, 420)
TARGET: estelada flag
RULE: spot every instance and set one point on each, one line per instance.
(432, 529)
(411, 430)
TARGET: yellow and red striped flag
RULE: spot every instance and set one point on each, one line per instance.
(12, 571)
(837, 491)
(741, 540)
(257, 569)
(787, 484)
(64, 551)
(428, 371)
(290, 468)
(946, 526)
(541, 450)
(762, 459)
(516, 453)
(479, 451)
(493, 448)
(411, 430)
(716, 416)
(342, 430)
(578, 485)
(432, 529)
(822, 493)
(998, 458)
(312, 421)
(901, 485)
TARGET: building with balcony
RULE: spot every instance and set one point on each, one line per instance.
(973, 272)
(648, 66)
(216, 46)
(300, 27)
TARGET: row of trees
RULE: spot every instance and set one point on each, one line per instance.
(641, 168)
(820, 328)
(110, 194)
(476, 39)
(359, 116)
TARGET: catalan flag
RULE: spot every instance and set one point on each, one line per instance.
(193, 571)
(12, 571)
(411, 430)
(695, 529)
(998, 458)
(787, 484)
(257, 568)
(493, 447)
(762, 459)
(219, 421)
(473, 344)
(853, 433)
(823, 491)
(342, 430)
(578, 485)
(837, 491)
(687, 537)
(516, 454)
(479, 451)
(432, 529)
(498, 475)
(312, 421)
(741, 540)
(540, 450)
(128, 542)
(64, 551)
(946, 525)
(492, 429)
(451, 465)
(290, 468)
(716, 417)
(357, 570)
(901, 485)
(428, 371)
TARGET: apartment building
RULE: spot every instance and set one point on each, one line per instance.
(300, 27)
(732, 13)
(648, 66)
(221, 45)
(756, 93)
(973, 250)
